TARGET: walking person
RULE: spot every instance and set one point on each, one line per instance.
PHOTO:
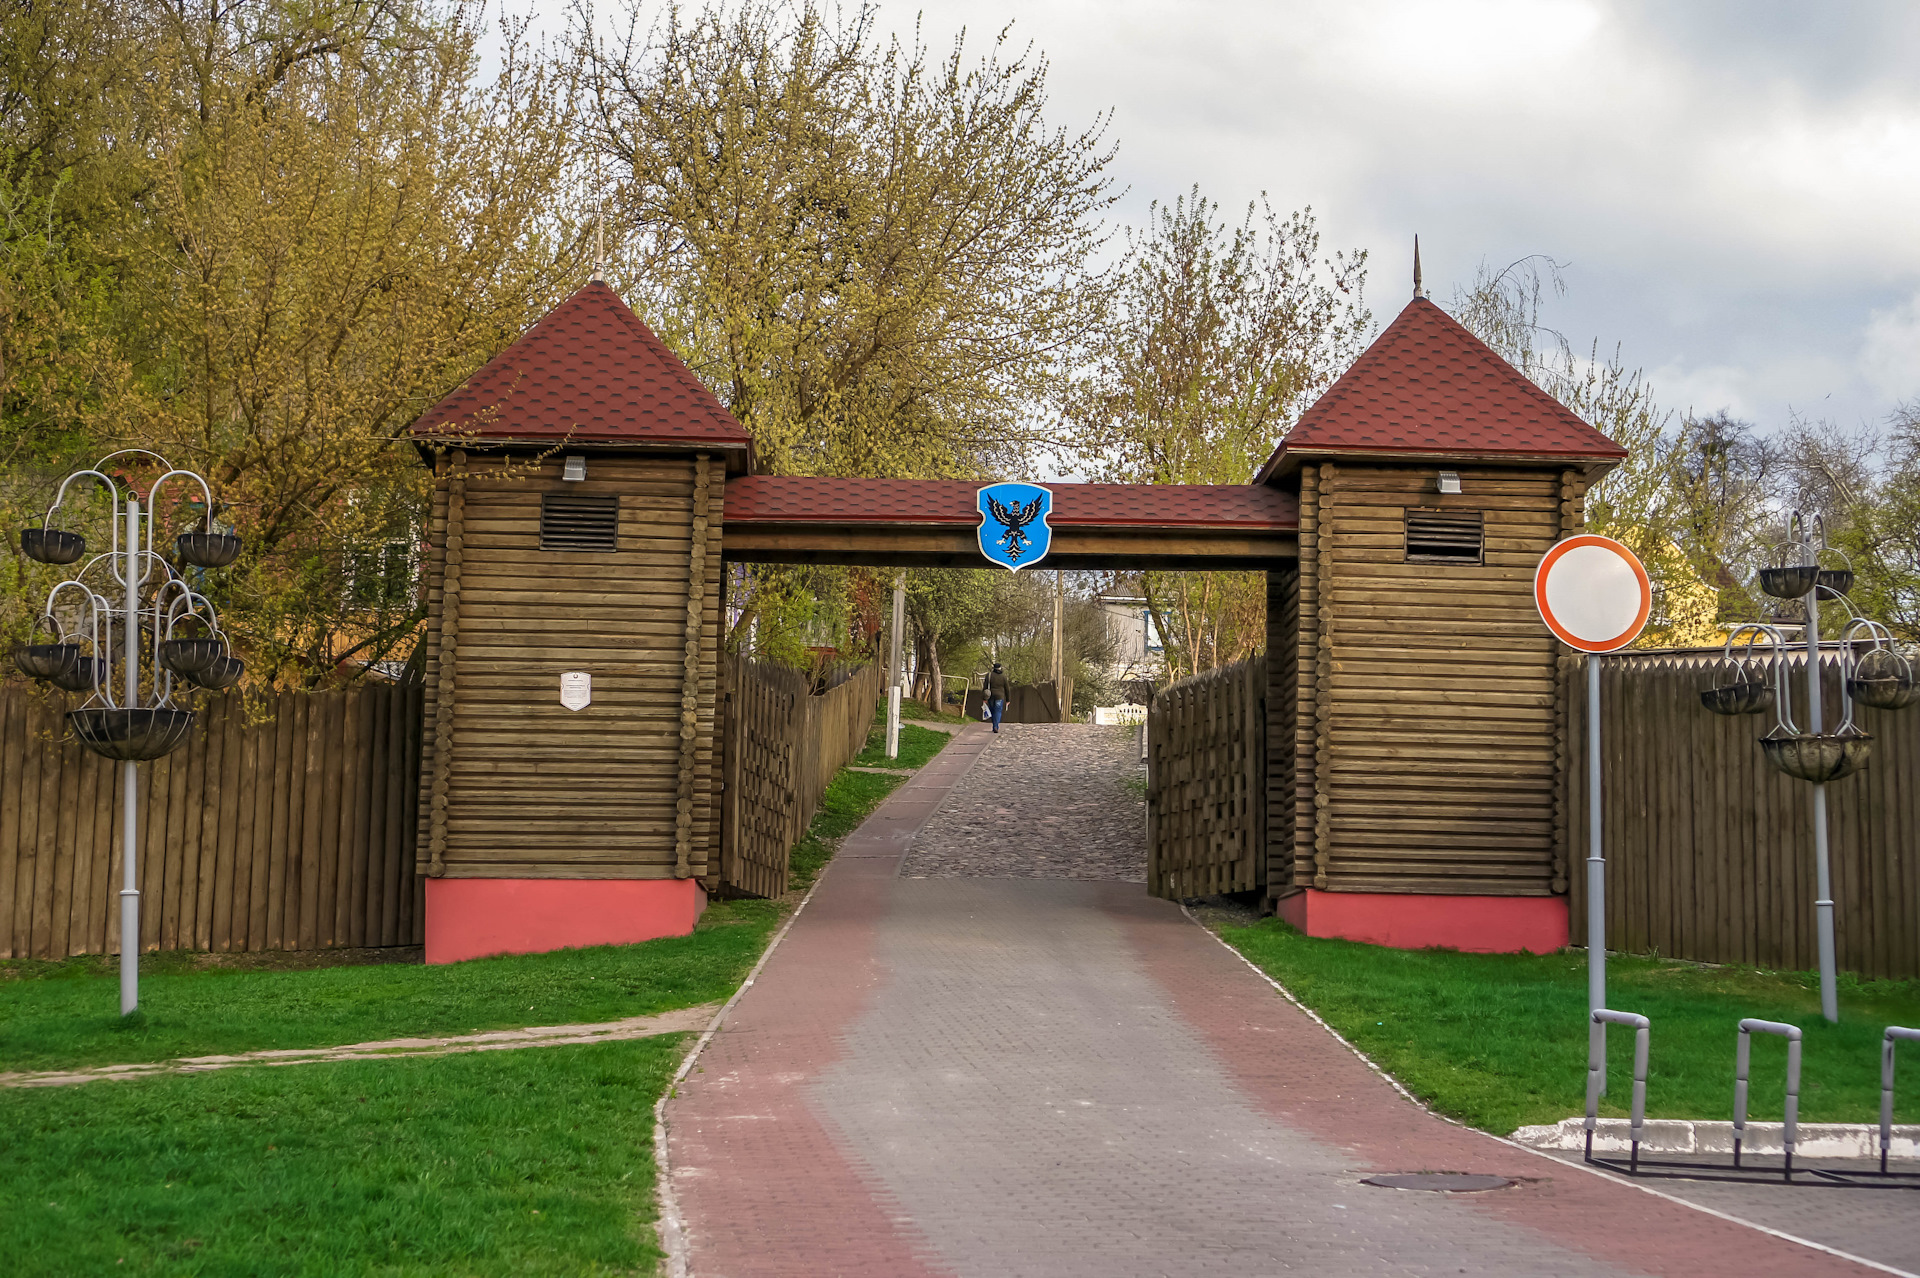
(998, 690)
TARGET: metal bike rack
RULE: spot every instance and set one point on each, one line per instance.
(1597, 1075)
(1738, 1171)
(1748, 1028)
(1894, 1034)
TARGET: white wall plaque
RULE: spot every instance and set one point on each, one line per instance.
(576, 689)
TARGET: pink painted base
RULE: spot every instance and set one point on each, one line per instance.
(471, 918)
(1405, 921)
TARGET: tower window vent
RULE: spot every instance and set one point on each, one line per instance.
(1443, 537)
(579, 523)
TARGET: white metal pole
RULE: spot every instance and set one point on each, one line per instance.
(894, 665)
(1823, 880)
(1596, 862)
(130, 782)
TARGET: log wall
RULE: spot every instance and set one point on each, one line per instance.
(283, 823)
(783, 747)
(514, 784)
(1710, 851)
(1426, 745)
(1206, 783)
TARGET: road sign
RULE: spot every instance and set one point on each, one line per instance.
(1592, 593)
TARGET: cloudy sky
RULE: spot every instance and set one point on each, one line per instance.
(1732, 184)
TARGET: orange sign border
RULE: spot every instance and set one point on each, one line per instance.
(1552, 557)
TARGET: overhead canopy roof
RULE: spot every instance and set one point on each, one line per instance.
(590, 374)
(1428, 390)
(909, 522)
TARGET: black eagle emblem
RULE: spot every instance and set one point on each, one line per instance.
(1013, 521)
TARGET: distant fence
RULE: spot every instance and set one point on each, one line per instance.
(782, 747)
(287, 829)
(1206, 783)
(1710, 851)
(1026, 703)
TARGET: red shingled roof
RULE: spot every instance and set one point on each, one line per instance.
(802, 499)
(590, 373)
(1427, 387)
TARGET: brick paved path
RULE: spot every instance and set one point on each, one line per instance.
(1044, 800)
(996, 1076)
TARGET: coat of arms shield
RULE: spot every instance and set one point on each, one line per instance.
(1013, 524)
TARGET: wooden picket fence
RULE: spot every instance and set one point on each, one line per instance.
(1710, 851)
(284, 823)
(783, 745)
(1206, 783)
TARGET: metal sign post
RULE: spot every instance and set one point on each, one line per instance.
(1594, 595)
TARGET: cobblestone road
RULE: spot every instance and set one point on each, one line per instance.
(1044, 800)
(988, 1072)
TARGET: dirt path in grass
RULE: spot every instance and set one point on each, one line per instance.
(679, 1021)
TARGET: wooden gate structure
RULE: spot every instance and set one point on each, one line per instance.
(1206, 782)
(589, 491)
(783, 745)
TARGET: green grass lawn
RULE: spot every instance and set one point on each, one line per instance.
(1500, 1040)
(537, 1161)
(67, 1013)
(917, 745)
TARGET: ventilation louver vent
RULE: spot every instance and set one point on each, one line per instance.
(1443, 536)
(579, 523)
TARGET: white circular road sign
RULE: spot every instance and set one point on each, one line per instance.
(1592, 593)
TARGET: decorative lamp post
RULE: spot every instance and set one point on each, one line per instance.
(129, 597)
(1873, 672)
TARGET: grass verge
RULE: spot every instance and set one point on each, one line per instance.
(917, 745)
(526, 1162)
(67, 1013)
(1500, 1041)
(70, 1016)
(537, 1161)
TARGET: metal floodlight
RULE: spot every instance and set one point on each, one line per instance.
(1449, 481)
(575, 469)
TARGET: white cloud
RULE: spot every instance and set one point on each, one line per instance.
(1890, 350)
(1733, 181)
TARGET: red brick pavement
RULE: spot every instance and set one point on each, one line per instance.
(762, 1185)
(1295, 1071)
(771, 1182)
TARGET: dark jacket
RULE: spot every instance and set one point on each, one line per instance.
(999, 686)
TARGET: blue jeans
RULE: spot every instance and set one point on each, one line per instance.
(996, 706)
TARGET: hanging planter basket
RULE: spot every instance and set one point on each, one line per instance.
(48, 661)
(189, 656)
(131, 734)
(207, 549)
(87, 674)
(1748, 697)
(1818, 757)
(1884, 680)
(221, 672)
(52, 546)
(1836, 581)
(1791, 582)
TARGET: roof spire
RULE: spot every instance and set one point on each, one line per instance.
(599, 275)
(1419, 290)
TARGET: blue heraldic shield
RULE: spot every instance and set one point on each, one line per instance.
(1013, 524)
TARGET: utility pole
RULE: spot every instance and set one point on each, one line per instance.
(1059, 650)
(894, 667)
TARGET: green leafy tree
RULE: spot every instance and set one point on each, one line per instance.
(877, 258)
(1220, 335)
